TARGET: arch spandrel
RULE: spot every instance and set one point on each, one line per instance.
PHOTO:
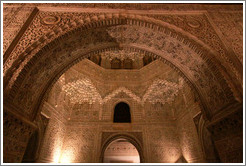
(174, 49)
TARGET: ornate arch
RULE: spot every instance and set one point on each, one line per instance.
(33, 45)
(50, 48)
(128, 137)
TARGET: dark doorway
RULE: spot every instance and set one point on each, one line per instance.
(122, 113)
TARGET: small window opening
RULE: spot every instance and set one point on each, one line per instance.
(122, 113)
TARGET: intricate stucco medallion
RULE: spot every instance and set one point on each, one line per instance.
(51, 20)
(193, 23)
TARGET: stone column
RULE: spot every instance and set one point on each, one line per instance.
(189, 142)
(53, 138)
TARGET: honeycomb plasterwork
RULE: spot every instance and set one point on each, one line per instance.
(162, 91)
(81, 91)
(124, 90)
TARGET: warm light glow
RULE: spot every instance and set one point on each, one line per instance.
(121, 151)
(66, 156)
(57, 151)
(56, 155)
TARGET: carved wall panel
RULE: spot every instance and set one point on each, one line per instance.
(232, 149)
(231, 26)
(13, 19)
(85, 111)
(158, 112)
(16, 134)
(199, 26)
(79, 144)
(163, 144)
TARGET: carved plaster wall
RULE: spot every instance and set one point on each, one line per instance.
(80, 127)
(231, 26)
(15, 138)
(188, 23)
(202, 43)
(13, 19)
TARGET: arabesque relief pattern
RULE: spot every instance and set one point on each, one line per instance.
(200, 72)
(66, 16)
(231, 26)
(13, 18)
(188, 23)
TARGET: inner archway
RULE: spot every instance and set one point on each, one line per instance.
(121, 151)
